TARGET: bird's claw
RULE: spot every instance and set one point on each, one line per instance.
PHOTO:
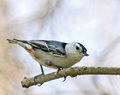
(40, 84)
(35, 79)
(64, 78)
(59, 69)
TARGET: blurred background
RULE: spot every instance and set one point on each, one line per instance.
(94, 23)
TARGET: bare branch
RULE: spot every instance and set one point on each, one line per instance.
(73, 71)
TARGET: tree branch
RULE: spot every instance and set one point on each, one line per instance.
(73, 71)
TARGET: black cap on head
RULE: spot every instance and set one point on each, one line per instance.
(84, 50)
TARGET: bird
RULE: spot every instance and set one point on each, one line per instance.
(53, 54)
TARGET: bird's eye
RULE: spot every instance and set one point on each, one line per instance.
(77, 48)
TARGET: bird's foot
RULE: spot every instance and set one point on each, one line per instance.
(59, 69)
(64, 78)
(35, 77)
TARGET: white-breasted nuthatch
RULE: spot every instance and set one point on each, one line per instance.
(53, 54)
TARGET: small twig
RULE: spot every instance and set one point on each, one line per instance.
(73, 71)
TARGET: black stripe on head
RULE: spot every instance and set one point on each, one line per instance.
(63, 45)
(84, 50)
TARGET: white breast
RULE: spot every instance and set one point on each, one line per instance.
(63, 62)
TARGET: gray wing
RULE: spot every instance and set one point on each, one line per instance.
(54, 47)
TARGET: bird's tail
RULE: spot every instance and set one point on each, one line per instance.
(14, 41)
(22, 43)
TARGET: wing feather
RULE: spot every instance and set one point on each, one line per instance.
(55, 48)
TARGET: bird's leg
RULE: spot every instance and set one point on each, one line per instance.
(49, 63)
(35, 77)
(40, 75)
(59, 69)
(64, 78)
(42, 70)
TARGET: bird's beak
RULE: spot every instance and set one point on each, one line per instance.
(86, 54)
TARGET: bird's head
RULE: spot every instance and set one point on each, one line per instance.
(76, 48)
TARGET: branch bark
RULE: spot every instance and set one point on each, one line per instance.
(73, 71)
